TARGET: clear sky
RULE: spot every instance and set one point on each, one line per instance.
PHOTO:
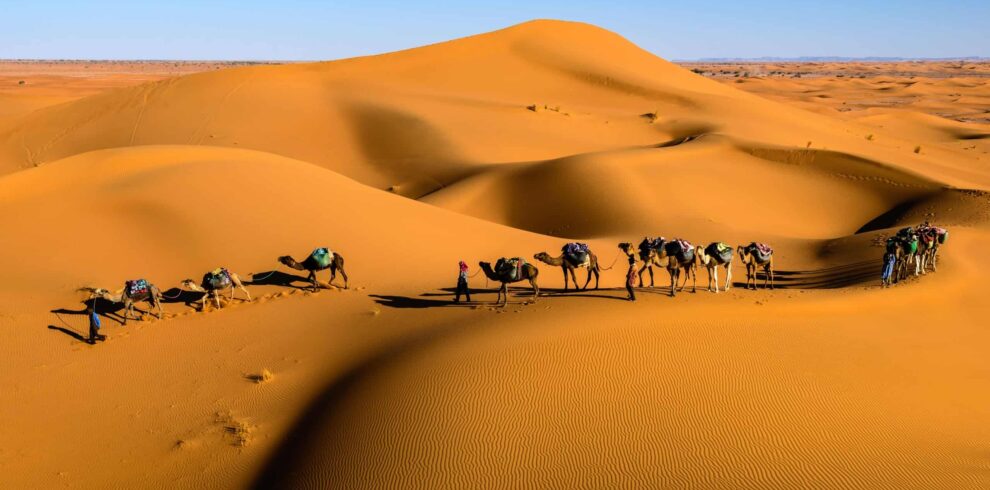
(316, 30)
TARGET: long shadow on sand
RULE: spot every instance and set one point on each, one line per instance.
(277, 278)
(829, 278)
(71, 333)
(520, 294)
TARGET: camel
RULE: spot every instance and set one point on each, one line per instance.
(566, 265)
(753, 259)
(677, 260)
(711, 258)
(213, 283)
(648, 255)
(529, 273)
(906, 253)
(124, 296)
(335, 264)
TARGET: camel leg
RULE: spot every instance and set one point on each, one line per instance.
(713, 277)
(536, 289)
(728, 276)
(673, 281)
(694, 279)
(598, 274)
(312, 280)
(574, 279)
(645, 266)
(589, 278)
(564, 269)
(216, 298)
(158, 304)
(505, 293)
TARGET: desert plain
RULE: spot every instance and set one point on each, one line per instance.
(502, 144)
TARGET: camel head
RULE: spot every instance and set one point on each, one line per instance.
(625, 246)
(542, 256)
(742, 253)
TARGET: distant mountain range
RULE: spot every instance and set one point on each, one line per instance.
(829, 59)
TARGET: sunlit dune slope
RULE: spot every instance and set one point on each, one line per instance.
(174, 212)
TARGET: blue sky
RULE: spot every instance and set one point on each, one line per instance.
(312, 30)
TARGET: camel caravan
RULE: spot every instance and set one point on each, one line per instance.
(912, 250)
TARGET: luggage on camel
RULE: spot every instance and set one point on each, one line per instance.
(650, 244)
(320, 259)
(762, 251)
(943, 235)
(218, 278)
(576, 253)
(510, 267)
(136, 287)
(721, 251)
(680, 249)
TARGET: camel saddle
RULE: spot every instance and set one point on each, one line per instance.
(218, 278)
(648, 245)
(321, 258)
(136, 286)
(761, 251)
(721, 251)
(577, 253)
(510, 267)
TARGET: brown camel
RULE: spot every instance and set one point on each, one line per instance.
(125, 296)
(528, 272)
(566, 265)
(713, 256)
(335, 264)
(753, 259)
(213, 283)
(677, 260)
(648, 255)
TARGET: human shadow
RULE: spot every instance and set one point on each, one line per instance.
(71, 333)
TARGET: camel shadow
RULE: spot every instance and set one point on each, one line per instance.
(277, 278)
(177, 295)
(588, 293)
(71, 333)
(840, 276)
(424, 301)
(104, 308)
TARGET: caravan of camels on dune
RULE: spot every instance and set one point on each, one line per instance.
(911, 246)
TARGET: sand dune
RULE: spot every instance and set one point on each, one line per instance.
(502, 144)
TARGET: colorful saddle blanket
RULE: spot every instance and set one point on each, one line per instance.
(321, 258)
(721, 251)
(510, 267)
(218, 278)
(136, 287)
(761, 251)
(576, 253)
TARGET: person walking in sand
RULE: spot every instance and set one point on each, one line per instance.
(631, 276)
(462, 283)
(889, 259)
(94, 325)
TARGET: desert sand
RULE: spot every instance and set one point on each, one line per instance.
(501, 144)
